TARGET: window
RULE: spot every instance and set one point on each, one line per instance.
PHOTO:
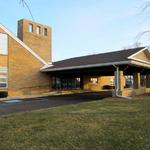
(3, 77)
(3, 69)
(94, 80)
(3, 44)
(143, 81)
(3, 81)
(129, 81)
(45, 31)
(30, 27)
(56, 83)
(38, 29)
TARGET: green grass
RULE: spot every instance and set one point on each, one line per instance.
(109, 124)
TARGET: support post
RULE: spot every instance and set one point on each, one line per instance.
(136, 80)
(119, 82)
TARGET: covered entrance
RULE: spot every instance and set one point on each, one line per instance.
(125, 73)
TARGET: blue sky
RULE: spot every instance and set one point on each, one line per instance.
(82, 27)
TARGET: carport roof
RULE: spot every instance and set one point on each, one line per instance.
(121, 57)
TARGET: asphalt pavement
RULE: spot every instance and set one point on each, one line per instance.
(25, 105)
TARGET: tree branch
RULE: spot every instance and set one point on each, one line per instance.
(24, 4)
(146, 6)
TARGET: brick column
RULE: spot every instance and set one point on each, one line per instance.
(86, 82)
(121, 82)
(148, 80)
(136, 80)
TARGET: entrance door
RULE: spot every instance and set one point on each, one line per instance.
(66, 83)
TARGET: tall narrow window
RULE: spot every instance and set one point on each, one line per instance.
(38, 30)
(30, 27)
(45, 31)
(3, 81)
(3, 77)
(3, 70)
(3, 44)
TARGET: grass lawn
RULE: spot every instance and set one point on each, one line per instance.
(110, 124)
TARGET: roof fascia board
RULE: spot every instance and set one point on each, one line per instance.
(86, 66)
(142, 61)
(47, 66)
(137, 63)
(23, 44)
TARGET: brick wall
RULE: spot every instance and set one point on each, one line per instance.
(24, 76)
(3, 60)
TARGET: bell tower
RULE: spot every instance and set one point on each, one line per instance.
(37, 37)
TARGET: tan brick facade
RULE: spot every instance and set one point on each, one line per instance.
(26, 57)
(24, 76)
(3, 60)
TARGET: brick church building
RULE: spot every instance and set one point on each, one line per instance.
(26, 66)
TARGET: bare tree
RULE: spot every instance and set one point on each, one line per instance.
(145, 9)
(134, 45)
(25, 4)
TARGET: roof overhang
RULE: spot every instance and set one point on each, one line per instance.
(129, 62)
(140, 64)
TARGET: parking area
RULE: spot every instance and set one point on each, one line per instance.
(15, 106)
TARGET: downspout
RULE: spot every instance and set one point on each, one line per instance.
(117, 92)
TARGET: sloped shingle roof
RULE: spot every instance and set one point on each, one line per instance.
(115, 56)
(109, 57)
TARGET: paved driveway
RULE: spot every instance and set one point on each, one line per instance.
(50, 101)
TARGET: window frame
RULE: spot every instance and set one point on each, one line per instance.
(38, 30)
(3, 69)
(4, 48)
(3, 82)
(45, 32)
(30, 28)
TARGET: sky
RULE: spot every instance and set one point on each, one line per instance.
(83, 27)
